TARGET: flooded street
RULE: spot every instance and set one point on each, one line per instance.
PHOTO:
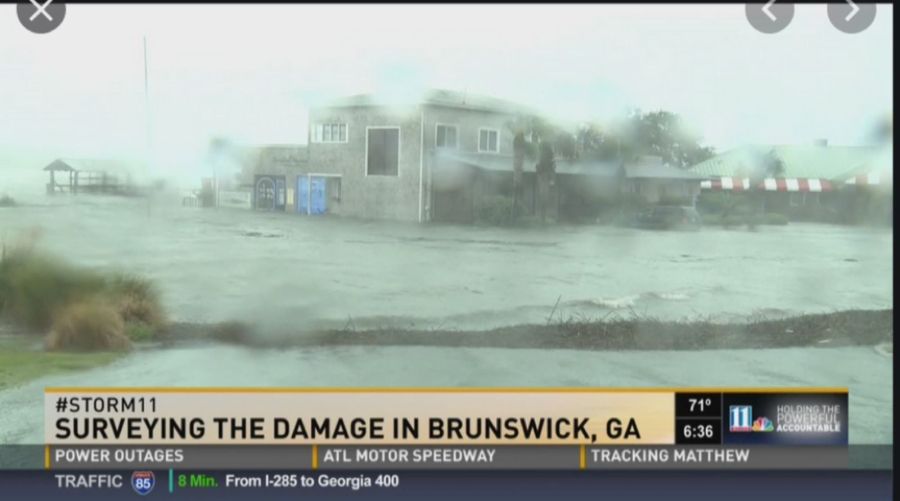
(288, 272)
(294, 272)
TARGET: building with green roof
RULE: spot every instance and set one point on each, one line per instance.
(815, 181)
(830, 163)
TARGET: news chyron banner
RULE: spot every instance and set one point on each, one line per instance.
(443, 428)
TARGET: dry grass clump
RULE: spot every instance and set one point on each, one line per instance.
(88, 326)
(40, 292)
(34, 287)
(137, 302)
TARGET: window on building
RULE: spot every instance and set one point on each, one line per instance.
(383, 151)
(445, 136)
(330, 133)
(489, 140)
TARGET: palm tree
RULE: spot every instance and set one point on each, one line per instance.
(774, 164)
(545, 170)
(771, 166)
(519, 148)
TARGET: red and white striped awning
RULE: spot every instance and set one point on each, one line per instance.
(870, 179)
(726, 184)
(768, 184)
(796, 184)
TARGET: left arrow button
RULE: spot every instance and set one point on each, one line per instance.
(771, 16)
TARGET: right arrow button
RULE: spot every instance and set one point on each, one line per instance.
(850, 16)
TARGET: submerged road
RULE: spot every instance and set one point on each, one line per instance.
(278, 271)
(283, 270)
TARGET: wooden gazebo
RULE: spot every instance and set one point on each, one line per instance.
(59, 165)
(88, 176)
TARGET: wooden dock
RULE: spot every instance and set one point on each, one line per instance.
(77, 181)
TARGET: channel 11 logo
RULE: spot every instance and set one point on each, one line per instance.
(740, 417)
(143, 482)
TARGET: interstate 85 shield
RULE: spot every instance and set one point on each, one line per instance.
(143, 482)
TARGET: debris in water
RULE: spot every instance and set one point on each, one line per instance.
(260, 234)
(669, 296)
(886, 349)
(616, 303)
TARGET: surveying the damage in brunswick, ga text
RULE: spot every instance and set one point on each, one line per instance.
(254, 428)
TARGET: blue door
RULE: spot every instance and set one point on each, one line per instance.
(302, 194)
(311, 197)
(317, 196)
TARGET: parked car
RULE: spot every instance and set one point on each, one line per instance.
(669, 217)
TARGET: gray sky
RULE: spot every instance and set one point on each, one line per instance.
(249, 72)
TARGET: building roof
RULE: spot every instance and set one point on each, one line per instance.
(287, 154)
(645, 168)
(504, 163)
(90, 165)
(654, 168)
(59, 165)
(587, 167)
(813, 162)
(880, 161)
(438, 97)
(878, 170)
(278, 159)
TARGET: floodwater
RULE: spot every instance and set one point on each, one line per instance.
(283, 271)
(290, 273)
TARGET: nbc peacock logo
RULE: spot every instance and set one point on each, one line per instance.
(763, 423)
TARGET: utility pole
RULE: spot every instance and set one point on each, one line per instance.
(148, 156)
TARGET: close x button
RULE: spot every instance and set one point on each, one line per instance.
(41, 16)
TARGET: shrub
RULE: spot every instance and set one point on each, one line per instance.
(733, 220)
(776, 219)
(754, 220)
(231, 332)
(139, 332)
(88, 326)
(751, 220)
(724, 203)
(33, 287)
(7, 201)
(137, 301)
(711, 219)
(713, 202)
(495, 210)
